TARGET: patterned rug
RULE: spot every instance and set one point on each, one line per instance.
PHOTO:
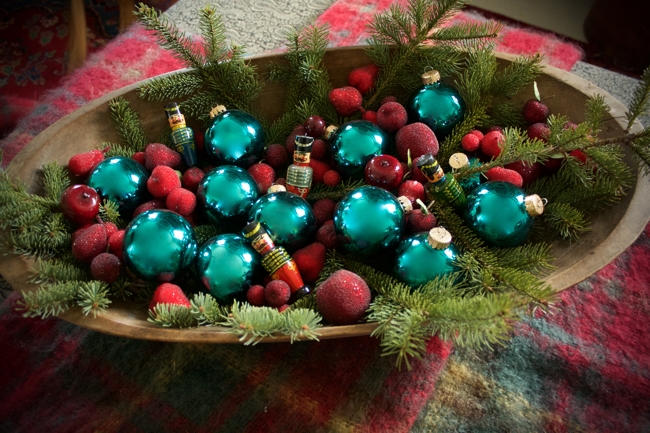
(584, 368)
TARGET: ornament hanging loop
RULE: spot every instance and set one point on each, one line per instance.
(217, 111)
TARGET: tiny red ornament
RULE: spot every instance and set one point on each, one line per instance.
(534, 111)
(391, 116)
(255, 295)
(106, 267)
(277, 293)
(80, 203)
(384, 171)
(314, 126)
(343, 298)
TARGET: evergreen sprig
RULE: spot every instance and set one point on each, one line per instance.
(93, 297)
(128, 125)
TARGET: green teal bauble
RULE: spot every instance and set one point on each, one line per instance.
(436, 104)
(234, 137)
(419, 260)
(122, 180)
(471, 182)
(227, 192)
(501, 214)
(287, 217)
(355, 143)
(368, 220)
(227, 265)
(158, 244)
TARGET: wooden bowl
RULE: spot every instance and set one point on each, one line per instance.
(613, 231)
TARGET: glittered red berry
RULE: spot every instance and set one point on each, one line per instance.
(411, 189)
(192, 178)
(283, 308)
(323, 210)
(505, 175)
(263, 174)
(363, 78)
(90, 243)
(470, 142)
(418, 221)
(314, 126)
(388, 99)
(494, 128)
(83, 163)
(534, 111)
(529, 172)
(310, 261)
(110, 228)
(115, 242)
(168, 293)
(343, 298)
(276, 156)
(77, 232)
(140, 157)
(106, 267)
(149, 205)
(157, 154)
(346, 100)
(162, 181)
(255, 295)
(277, 293)
(491, 144)
(391, 116)
(181, 201)
(478, 133)
(539, 131)
(320, 168)
(418, 138)
(331, 178)
(80, 203)
(326, 235)
(319, 149)
(579, 155)
(370, 116)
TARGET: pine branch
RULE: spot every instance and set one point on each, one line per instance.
(55, 181)
(57, 270)
(213, 33)
(115, 149)
(48, 300)
(128, 124)
(172, 316)
(177, 85)
(336, 193)
(640, 100)
(109, 211)
(93, 297)
(207, 311)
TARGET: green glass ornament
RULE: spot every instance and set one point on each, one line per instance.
(354, 144)
(227, 192)
(122, 180)
(234, 137)
(436, 104)
(227, 265)
(424, 256)
(158, 244)
(368, 220)
(501, 214)
(288, 219)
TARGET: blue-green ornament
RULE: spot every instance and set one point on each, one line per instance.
(234, 137)
(227, 192)
(122, 180)
(288, 219)
(368, 220)
(501, 213)
(436, 104)
(227, 266)
(355, 143)
(158, 244)
(424, 256)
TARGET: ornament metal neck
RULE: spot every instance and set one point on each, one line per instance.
(458, 160)
(217, 111)
(534, 205)
(329, 131)
(439, 238)
(405, 204)
(430, 77)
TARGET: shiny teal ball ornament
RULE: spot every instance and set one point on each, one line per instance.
(437, 105)
(122, 180)
(226, 266)
(368, 220)
(355, 143)
(287, 217)
(501, 214)
(417, 262)
(158, 244)
(227, 192)
(234, 137)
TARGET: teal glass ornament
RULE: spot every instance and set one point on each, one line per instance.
(436, 104)
(158, 244)
(227, 265)
(368, 220)
(355, 143)
(234, 137)
(288, 219)
(424, 256)
(227, 192)
(122, 180)
(501, 213)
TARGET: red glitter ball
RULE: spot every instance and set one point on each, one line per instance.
(343, 298)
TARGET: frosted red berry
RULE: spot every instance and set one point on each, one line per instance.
(83, 163)
(263, 174)
(149, 205)
(363, 78)
(157, 154)
(411, 189)
(323, 210)
(181, 201)
(391, 116)
(90, 243)
(343, 298)
(388, 99)
(505, 175)
(331, 178)
(491, 144)
(255, 295)
(277, 293)
(346, 100)
(370, 116)
(140, 157)
(310, 261)
(319, 149)
(106, 267)
(276, 156)
(110, 228)
(162, 181)
(115, 242)
(470, 142)
(418, 138)
(529, 172)
(539, 131)
(534, 111)
(418, 221)
(168, 293)
(192, 178)
(319, 168)
(326, 235)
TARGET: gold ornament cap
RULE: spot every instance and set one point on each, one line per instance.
(217, 111)
(534, 205)
(329, 131)
(458, 160)
(439, 238)
(430, 77)
(276, 188)
(406, 204)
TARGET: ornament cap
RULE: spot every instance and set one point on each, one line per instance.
(329, 131)
(534, 205)
(217, 111)
(430, 77)
(276, 188)
(458, 160)
(406, 204)
(439, 238)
